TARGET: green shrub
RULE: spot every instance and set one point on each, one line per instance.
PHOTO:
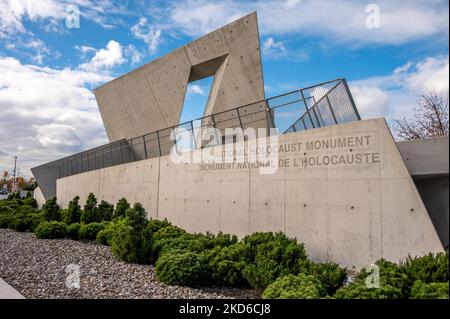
(359, 290)
(295, 287)
(34, 220)
(21, 219)
(6, 209)
(331, 275)
(64, 215)
(156, 224)
(90, 231)
(51, 210)
(394, 284)
(90, 213)
(222, 240)
(137, 217)
(182, 268)
(434, 290)
(105, 210)
(73, 230)
(5, 219)
(30, 201)
(74, 211)
(428, 269)
(91, 202)
(51, 230)
(132, 240)
(104, 237)
(121, 208)
(163, 239)
(19, 223)
(271, 255)
(226, 264)
(189, 242)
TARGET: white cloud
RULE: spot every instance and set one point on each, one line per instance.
(371, 101)
(278, 51)
(195, 89)
(134, 54)
(396, 94)
(13, 13)
(105, 59)
(46, 113)
(84, 49)
(339, 21)
(150, 34)
(430, 74)
(33, 48)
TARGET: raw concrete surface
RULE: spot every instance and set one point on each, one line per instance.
(427, 162)
(39, 197)
(426, 157)
(353, 214)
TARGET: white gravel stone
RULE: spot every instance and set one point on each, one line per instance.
(37, 269)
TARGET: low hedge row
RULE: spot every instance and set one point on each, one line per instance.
(276, 265)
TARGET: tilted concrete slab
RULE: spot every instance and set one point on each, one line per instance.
(151, 97)
(426, 157)
(428, 162)
(359, 207)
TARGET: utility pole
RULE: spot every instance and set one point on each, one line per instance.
(14, 178)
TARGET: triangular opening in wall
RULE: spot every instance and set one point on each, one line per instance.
(201, 93)
(195, 100)
(204, 81)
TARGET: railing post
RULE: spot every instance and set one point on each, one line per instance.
(111, 150)
(307, 110)
(120, 150)
(103, 158)
(159, 142)
(145, 146)
(214, 127)
(131, 149)
(331, 109)
(351, 99)
(270, 120)
(193, 135)
(303, 121)
(239, 117)
(318, 111)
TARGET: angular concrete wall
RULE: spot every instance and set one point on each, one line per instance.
(39, 197)
(151, 97)
(427, 162)
(352, 204)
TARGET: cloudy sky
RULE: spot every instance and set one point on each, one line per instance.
(48, 68)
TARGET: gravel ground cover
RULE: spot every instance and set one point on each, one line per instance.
(39, 269)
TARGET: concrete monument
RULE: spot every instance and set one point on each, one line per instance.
(340, 185)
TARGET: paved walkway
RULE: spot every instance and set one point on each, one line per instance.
(8, 292)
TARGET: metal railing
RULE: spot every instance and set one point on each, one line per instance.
(316, 106)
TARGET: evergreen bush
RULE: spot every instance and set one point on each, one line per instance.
(51, 230)
(294, 287)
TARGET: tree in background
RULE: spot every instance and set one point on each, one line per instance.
(430, 118)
